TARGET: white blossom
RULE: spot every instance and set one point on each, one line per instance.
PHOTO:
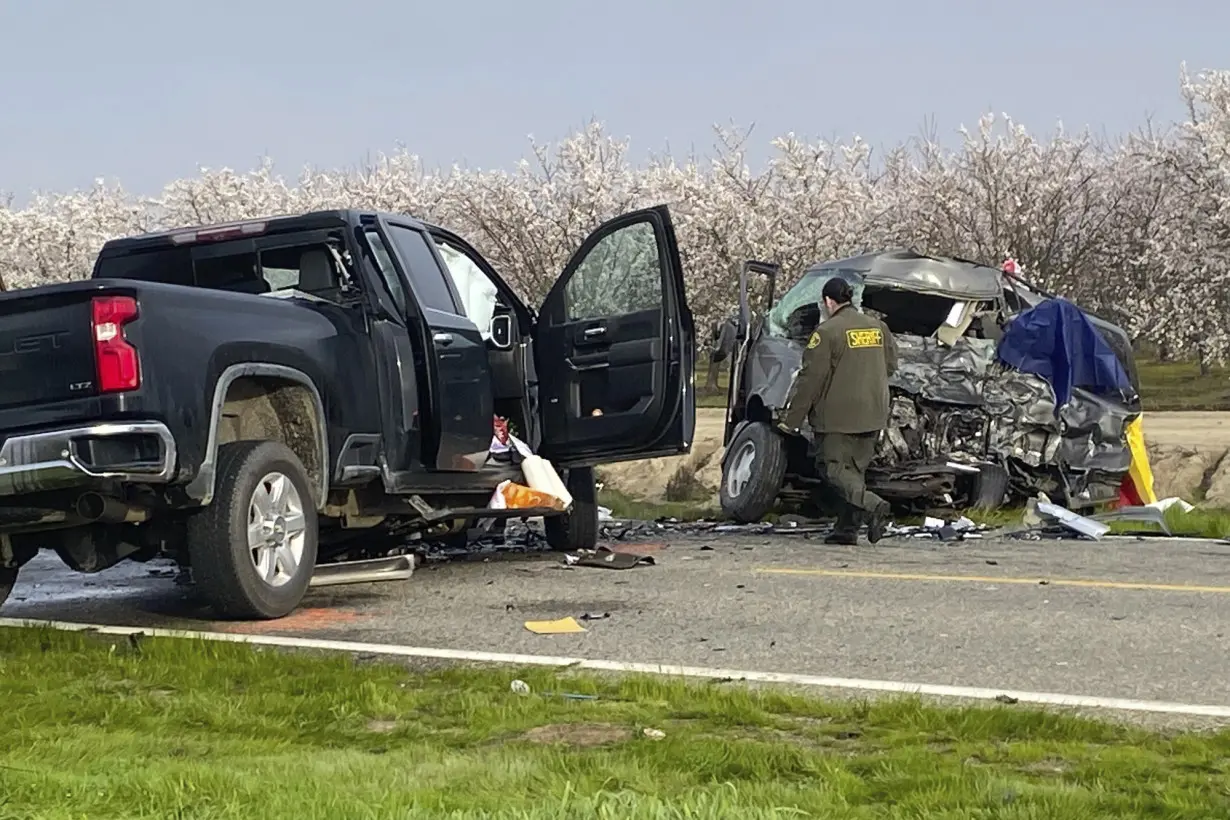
(1136, 229)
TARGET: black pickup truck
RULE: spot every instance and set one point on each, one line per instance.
(287, 402)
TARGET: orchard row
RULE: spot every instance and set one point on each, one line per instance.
(1136, 228)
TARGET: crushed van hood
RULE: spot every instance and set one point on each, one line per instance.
(909, 270)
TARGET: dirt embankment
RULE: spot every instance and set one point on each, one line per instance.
(1188, 453)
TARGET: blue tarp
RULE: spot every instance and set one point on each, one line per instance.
(1056, 341)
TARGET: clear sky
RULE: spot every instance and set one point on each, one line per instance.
(142, 91)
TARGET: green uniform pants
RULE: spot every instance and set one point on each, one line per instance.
(843, 460)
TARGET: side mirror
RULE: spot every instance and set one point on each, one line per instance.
(501, 331)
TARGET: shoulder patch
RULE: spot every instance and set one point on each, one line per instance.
(814, 341)
(864, 337)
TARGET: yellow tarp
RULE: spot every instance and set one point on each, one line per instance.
(1140, 472)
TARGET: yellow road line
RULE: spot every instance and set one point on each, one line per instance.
(987, 579)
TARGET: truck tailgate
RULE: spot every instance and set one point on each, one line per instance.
(46, 347)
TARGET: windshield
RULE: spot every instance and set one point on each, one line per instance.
(798, 313)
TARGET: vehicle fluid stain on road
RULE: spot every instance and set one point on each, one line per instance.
(303, 621)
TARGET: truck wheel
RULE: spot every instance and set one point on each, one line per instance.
(253, 549)
(576, 529)
(8, 577)
(990, 487)
(752, 473)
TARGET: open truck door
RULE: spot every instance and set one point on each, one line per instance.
(735, 398)
(615, 347)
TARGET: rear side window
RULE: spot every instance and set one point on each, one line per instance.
(172, 266)
(313, 265)
(426, 275)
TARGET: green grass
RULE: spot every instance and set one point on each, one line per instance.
(634, 509)
(1164, 386)
(98, 728)
(1179, 386)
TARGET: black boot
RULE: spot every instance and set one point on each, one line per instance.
(877, 523)
(845, 531)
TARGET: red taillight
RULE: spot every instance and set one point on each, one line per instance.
(119, 367)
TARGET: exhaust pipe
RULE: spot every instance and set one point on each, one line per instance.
(103, 509)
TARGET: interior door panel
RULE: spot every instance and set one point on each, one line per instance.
(615, 347)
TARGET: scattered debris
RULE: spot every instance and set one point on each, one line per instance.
(1076, 523)
(654, 734)
(607, 559)
(1147, 514)
(563, 626)
(1166, 503)
(519, 687)
(590, 617)
(938, 528)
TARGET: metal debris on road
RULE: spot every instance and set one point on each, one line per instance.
(1076, 523)
(1147, 514)
(937, 528)
(604, 558)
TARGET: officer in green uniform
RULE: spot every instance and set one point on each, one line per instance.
(842, 391)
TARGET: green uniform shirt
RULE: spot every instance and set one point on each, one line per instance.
(843, 386)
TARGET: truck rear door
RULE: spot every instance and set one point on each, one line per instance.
(615, 348)
(458, 427)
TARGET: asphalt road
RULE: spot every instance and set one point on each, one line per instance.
(1113, 619)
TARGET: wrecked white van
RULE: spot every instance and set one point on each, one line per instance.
(967, 428)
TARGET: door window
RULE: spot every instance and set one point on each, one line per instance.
(479, 296)
(424, 271)
(622, 274)
(383, 263)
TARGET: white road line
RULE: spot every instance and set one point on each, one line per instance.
(900, 687)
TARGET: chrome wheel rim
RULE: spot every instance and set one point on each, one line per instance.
(277, 529)
(740, 472)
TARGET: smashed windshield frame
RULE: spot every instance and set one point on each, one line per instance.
(798, 312)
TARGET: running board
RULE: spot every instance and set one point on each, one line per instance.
(397, 568)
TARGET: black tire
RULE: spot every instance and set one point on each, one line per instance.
(576, 529)
(990, 487)
(223, 563)
(8, 577)
(758, 448)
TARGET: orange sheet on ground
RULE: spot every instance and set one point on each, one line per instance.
(563, 626)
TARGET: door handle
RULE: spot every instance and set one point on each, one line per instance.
(591, 332)
(442, 339)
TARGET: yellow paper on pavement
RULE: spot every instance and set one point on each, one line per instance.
(561, 627)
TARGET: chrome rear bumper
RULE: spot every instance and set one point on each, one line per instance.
(57, 459)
